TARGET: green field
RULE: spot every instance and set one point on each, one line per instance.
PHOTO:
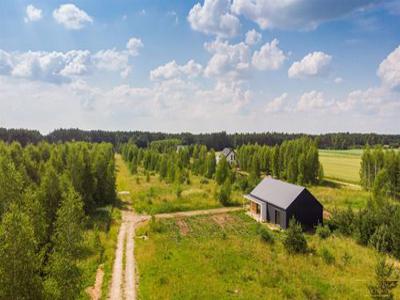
(223, 257)
(156, 196)
(341, 165)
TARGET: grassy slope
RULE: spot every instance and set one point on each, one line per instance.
(343, 165)
(156, 196)
(231, 262)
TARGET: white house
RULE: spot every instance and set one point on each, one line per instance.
(229, 154)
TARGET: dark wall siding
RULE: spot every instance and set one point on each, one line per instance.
(306, 210)
(271, 209)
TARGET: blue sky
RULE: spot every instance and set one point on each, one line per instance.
(235, 65)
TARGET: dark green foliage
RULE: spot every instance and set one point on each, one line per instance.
(323, 231)
(295, 241)
(266, 235)
(222, 172)
(224, 193)
(386, 279)
(343, 221)
(327, 256)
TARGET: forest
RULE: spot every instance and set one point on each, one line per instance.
(48, 194)
(217, 140)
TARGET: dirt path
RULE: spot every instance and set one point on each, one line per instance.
(221, 210)
(123, 283)
(94, 291)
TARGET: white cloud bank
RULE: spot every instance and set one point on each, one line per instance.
(269, 57)
(33, 14)
(172, 70)
(312, 65)
(253, 37)
(389, 69)
(71, 17)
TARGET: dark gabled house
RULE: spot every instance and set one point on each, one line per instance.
(276, 201)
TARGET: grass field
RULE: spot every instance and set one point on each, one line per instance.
(156, 196)
(223, 257)
(341, 165)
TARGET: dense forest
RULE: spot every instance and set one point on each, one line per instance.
(217, 141)
(48, 193)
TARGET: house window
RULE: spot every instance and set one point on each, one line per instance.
(277, 217)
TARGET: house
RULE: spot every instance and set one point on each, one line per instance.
(229, 154)
(276, 201)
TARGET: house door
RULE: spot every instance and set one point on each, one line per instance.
(277, 217)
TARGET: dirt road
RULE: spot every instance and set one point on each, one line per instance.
(123, 283)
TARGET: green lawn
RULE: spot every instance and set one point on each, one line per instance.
(156, 196)
(342, 165)
(223, 257)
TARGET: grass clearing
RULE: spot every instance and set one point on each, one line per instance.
(156, 196)
(232, 262)
(342, 165)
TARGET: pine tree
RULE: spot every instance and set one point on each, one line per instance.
(385, 281)
(222, 171)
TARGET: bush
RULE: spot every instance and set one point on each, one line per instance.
(386, 279)
(380, 240)
(295, 241)
(344, 221)
(327, 256)
(155, 225)
(323, 231)
(178, 192)
(266, 235)
(203, 181)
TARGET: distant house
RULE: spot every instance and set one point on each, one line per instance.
(229, 154)
(181, 147)
(276, 201)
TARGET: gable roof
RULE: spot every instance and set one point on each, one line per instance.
(276, 192)
(226, 151)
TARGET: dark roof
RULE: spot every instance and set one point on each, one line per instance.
(277, 192)
(226, 151)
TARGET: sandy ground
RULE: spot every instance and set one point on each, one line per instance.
(94, 292)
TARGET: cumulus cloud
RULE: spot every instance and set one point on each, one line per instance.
(61, 67)
(214, 17)
(33, 14)
(229, 61)
(269, 57)
(296, 14)
(389, 69)
(71, 16)
(252, 37)
(312, 101)
(312, 65)
(277, 105)
(134, 45)
(172, 70)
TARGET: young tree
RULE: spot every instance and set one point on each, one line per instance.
(19, 261)
(295, 241)
(222, 171)
(385, 281)
(63, 276)
(210, 164)
(224, 194)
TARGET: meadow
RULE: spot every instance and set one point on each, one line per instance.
(152, 196)
(341, 165)
(223, 257)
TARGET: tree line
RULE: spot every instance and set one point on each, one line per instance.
(380, 172)
(47, 195)
(217, 140)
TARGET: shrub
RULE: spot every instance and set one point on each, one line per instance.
(346, 258)
(137, 180)
(266, 235)
(323, 231)
(203, 181)
(380, 240)
(327, 256)
(344, 221)
(147, 177)
(178, 192)
(385, 281)
(155, 225)
(295, 241)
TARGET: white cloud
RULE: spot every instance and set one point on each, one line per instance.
(296, 14)
(312, 101)
(229, 61)
(33, 14)
(112, 60)
(71, 16)
(312, 65)
(338, 80)
(214, 17)
(252, 37)
(172, 70)
(269, 57)
(389, 69)
(277, 105)
(133, 46)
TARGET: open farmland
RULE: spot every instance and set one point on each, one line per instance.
(223, 257)
(341, 165)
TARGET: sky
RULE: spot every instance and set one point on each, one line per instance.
(307, 66)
